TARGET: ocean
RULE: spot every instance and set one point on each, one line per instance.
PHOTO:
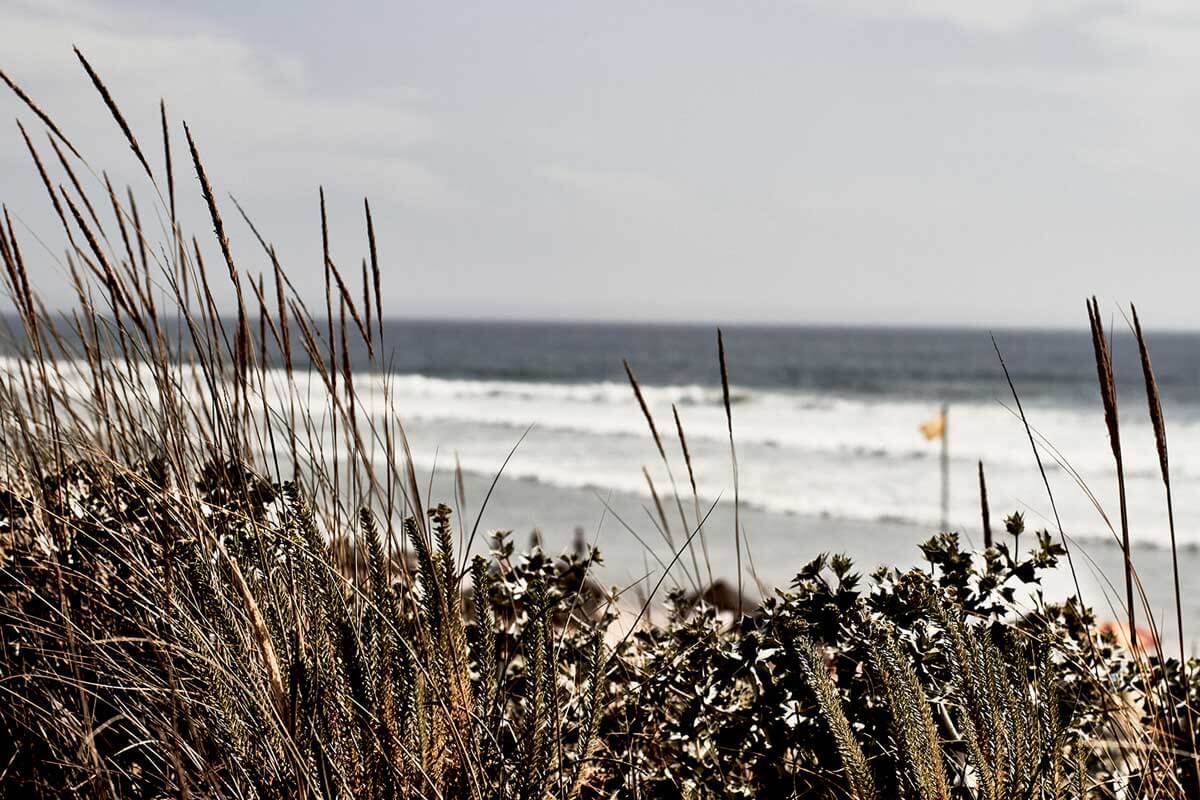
(825, 419)
(826, 424)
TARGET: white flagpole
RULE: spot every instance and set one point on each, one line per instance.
(945, 466)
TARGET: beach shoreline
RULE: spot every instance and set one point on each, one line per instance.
(781, 544)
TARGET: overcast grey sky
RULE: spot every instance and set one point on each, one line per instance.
(857, 161)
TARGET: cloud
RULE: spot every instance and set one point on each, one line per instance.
(268, 132)
(1137, 82)
(255, 109)
(975, 15)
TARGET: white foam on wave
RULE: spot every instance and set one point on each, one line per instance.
(873, 426)
(809, 453)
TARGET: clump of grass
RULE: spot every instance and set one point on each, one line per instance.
(175, 620)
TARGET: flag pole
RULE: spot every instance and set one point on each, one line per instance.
(945, 466)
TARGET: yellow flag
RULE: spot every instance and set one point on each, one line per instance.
(935, 426)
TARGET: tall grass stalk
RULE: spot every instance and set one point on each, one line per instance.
(1158, 423)
(1108, 398)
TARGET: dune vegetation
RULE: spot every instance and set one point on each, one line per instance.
(214, 585)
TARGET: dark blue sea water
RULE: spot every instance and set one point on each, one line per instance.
(927, 363)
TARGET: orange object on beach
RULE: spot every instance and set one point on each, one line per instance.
(1142, 637)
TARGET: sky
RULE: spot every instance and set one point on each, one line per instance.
(935, 162)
